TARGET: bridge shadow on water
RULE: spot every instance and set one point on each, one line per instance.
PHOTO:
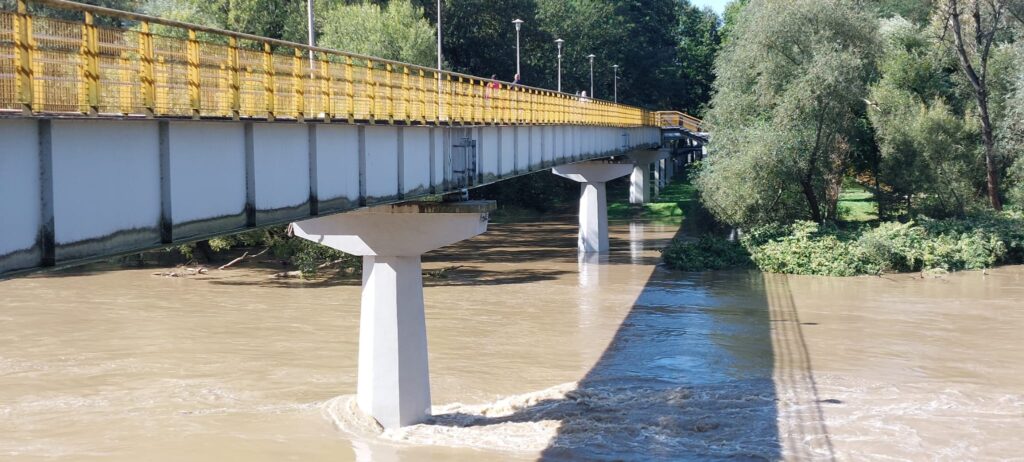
(705, 366)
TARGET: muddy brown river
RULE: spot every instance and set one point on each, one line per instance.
(533, 354)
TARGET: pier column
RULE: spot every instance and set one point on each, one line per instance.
(593, 236)
(394, 383)
(640, 179)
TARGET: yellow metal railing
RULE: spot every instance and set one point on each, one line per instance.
(163, 68)
(675, 119)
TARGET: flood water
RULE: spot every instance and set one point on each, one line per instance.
(533, 354)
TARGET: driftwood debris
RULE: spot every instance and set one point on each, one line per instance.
(181, 271)
(243, 257)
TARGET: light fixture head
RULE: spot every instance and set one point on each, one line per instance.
(517, 22)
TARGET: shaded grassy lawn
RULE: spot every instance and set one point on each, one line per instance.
(857, 204)
(672, 204)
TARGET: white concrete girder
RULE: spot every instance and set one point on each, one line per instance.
(394, 382)
(593, 234)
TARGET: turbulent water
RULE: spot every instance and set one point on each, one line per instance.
(533, 354)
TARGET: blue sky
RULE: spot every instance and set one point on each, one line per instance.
(717, 5)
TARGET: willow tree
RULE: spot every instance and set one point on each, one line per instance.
(788, 111)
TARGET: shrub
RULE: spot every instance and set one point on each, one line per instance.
(979, 241)
(707, 253)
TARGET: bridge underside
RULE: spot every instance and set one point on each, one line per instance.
(77, 190)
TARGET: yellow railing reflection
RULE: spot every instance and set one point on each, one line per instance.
(163, 68)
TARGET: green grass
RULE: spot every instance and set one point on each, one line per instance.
(670, 205)
(857, 204)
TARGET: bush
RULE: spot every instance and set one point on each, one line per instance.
(707, 253)
(980, 241)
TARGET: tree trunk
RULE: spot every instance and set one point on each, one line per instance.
(812, 199)
(991, 170)
(983, 43)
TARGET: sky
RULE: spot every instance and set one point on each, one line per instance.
(717, 5)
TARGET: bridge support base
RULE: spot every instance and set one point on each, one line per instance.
(640, 179)
(593, 237)
(394, 382)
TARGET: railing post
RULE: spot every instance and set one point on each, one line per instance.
(326, 88)
(449, 103)
(268, 81)
(460, 101)
(389, 81)
(194, 92)
(234, 85)
(90, 93)
(147, 79)
(405, 95)
(350, 90)
(23, 51)
(423, 98)
(371, 91)
(298, 76)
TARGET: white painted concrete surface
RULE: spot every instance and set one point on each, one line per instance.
(593, 212)
(337, 162)
(106, 178)
(393, 385)
(281, 154)
(207, 161)
(19, 178)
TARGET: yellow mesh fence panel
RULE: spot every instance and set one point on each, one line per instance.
(7, 71)
(273, 80)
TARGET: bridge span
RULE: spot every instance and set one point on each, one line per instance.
(119, 140)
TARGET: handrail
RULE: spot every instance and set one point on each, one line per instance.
(676, 119)
(53, 66)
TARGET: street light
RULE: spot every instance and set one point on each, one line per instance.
(616, 84)
(312, 33)
(591, 57)
(518, 23)
(559, 42)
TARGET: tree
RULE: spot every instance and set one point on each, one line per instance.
(924, 141)
(278, 19)
(698, 44)
(397, 31)
(787, 113)
(975, 27)
(917, 11)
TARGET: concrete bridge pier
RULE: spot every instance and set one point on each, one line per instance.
(593, 237)
(639, 180)
(394, 383)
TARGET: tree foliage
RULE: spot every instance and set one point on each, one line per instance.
(790, 87)
(397, 31)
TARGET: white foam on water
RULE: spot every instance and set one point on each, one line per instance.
(606, 420)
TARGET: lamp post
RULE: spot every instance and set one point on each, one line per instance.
(518, 23)
(591, 57)
(559, 42)
(616, 82)
(312, 33)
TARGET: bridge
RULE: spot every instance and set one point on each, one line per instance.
(117, 140)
